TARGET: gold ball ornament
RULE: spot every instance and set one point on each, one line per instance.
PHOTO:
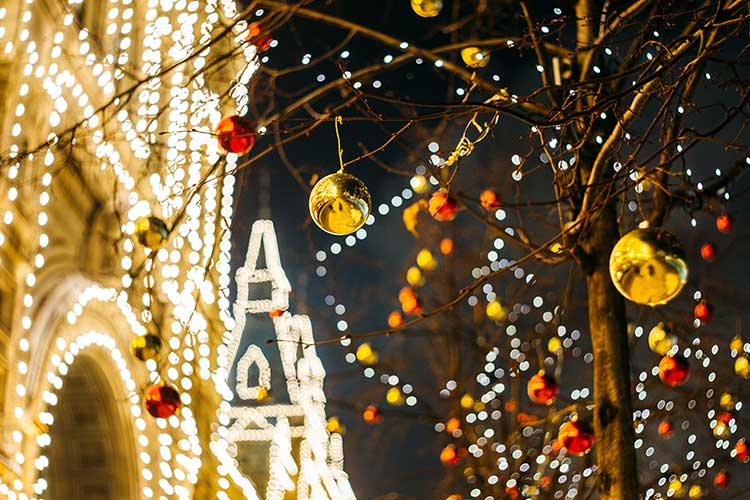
(414, 276)
(366, 354)
(660, 339)
(426, 260)
(146, 347)
(678, 489)
(727, 401)
(151, 232)
(395, 397)
(474, 57)
(340, 203)
(742, 367)
(427, 8)
(695, 492)
(554, 345)
(495, 311)
(648, 266)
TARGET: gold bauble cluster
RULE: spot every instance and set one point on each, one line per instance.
(340, 203)
(648, 266)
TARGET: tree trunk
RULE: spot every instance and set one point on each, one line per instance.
(613, 413)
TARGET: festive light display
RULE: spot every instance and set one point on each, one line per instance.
(316, 472)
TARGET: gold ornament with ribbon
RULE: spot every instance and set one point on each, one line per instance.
(340, 203)
(648, 266)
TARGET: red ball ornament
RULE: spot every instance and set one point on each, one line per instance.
(442, 206)
(489, 200)
(703, 311)
(162, 401)
(721, 479)
(372, 415)
(542, 389)
(235, 134)
(666, 429)
(674, 370)
(708, 252)
(449, 455)
(275, 313)
(741, 451)
(576, 437)
(724, 223)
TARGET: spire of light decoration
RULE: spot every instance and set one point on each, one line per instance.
(317, 472)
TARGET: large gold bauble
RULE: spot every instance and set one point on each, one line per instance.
(648, 266)
(340, 203)
(151, 232)
(427, 8)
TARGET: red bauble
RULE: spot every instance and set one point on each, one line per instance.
(489, 200)
(162, 401)
(442, 206)
(235, 134)
(542, 388)
(724, 223)
(449, 455)
(721, 479)
(674, 370)
(725, 417)
(372, 415)
(708, 252)
(409, 301)
(703, 311)
(666, 429)
(576, 437)
(741, 452)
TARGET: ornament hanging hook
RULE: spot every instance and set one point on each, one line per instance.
(336, 122)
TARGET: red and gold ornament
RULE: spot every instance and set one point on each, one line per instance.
(162, 400)
(235, 134)
(674, 370)
(542, 388)
(576, 436)
(442, 206)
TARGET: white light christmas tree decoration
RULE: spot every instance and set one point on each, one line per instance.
(317, 472)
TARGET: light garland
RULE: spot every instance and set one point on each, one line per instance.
(318, 475)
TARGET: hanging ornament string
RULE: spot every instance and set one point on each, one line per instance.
(338, 140)
(466, 145)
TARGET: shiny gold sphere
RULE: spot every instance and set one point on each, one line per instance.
(151, 232)
(427, 8)
(474, 57)
(145, 347)
(648, 266)
(340, 203)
